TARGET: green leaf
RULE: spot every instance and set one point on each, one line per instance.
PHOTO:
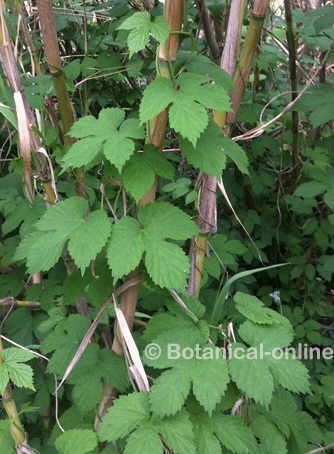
(253, 309)
(42, 251)
(208, 155)
(118, 150)
(138, 176)
(273, 336)
(165, 386)
(253, 377)
(81, 247)
(310, 189)
(188, 117)
(83, 127)
(4, 377)
(18, 355)
(235, 435)
(156, 97)
(65, 221)
(143, 440)
(290, 373)
(272, 441)
(142, 27)
(82, 153)
(163, 220)
(125, 248)
(125, 415)
(65, 217)
(237, 154)
(76, 441)
(166, 263)
(110, 132)
(210, 378)
(178, 434)
(6, 439)
(20, 374)
(210, 95)
(158, 162)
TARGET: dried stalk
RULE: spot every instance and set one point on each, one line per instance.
(29, 142)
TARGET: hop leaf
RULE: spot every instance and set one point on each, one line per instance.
(165, 262)
(142, 26)
(62, 222)
(187, 114)
(110, 134)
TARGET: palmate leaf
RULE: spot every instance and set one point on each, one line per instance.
(187, 114)
(165, 262)
(62, 222)
(142, 26)
(110, 134)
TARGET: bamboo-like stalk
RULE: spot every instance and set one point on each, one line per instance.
(207, 202)
(291, 40)
(248, 52)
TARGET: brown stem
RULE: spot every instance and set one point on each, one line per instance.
(290, 36)
(208, 28)
(50, 41)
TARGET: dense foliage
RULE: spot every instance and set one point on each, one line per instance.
(107, 256)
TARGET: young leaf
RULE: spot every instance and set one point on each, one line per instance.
(141, 27)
